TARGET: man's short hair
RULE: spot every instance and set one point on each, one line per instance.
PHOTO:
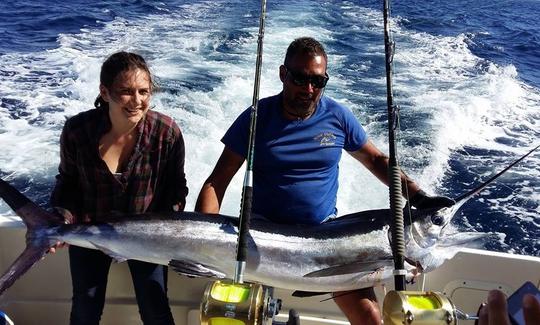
(304, 45)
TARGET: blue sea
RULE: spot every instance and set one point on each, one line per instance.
(466, 78)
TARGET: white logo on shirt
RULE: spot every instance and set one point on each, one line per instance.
(326, 138)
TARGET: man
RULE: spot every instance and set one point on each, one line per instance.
(299, 141)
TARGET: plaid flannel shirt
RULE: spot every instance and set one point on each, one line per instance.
(154, 179)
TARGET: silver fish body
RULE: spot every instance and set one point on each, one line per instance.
(344, 254)
(279, 255)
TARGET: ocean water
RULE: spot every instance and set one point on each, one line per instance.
(467, 80)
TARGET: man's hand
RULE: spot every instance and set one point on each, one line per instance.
(496, 310)
(531, 309)
(423, 201)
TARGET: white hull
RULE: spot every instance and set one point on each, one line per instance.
(42, 296)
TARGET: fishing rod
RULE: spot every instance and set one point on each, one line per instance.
(239, 302)
(247, 189)
(394, 172)
(400, 306)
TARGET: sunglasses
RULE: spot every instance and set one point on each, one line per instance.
(301, 80)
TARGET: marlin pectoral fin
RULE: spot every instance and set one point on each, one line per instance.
(114, 255)
(307, 294)
(192, 269)
(355, 267)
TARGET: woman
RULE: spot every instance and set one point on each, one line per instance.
(120, 157)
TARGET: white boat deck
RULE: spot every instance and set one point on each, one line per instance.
(42, 296)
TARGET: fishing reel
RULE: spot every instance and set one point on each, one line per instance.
(228, 303)
(420, 308)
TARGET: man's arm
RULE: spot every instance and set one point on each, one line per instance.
(377, 163)
(213, 189)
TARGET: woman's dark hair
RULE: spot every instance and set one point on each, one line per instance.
(304, 45)
(116, 64)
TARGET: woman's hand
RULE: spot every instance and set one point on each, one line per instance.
(56, 246)
(68, 219)
(178, 206)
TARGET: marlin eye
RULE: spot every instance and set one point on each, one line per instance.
(437, 220)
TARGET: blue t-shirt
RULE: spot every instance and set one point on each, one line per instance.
(295, 163)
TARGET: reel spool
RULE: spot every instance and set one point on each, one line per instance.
(418, 308)
(228, 303)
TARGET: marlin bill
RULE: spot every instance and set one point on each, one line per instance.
(346, 253)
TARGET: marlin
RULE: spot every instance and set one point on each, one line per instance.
(347, 253)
